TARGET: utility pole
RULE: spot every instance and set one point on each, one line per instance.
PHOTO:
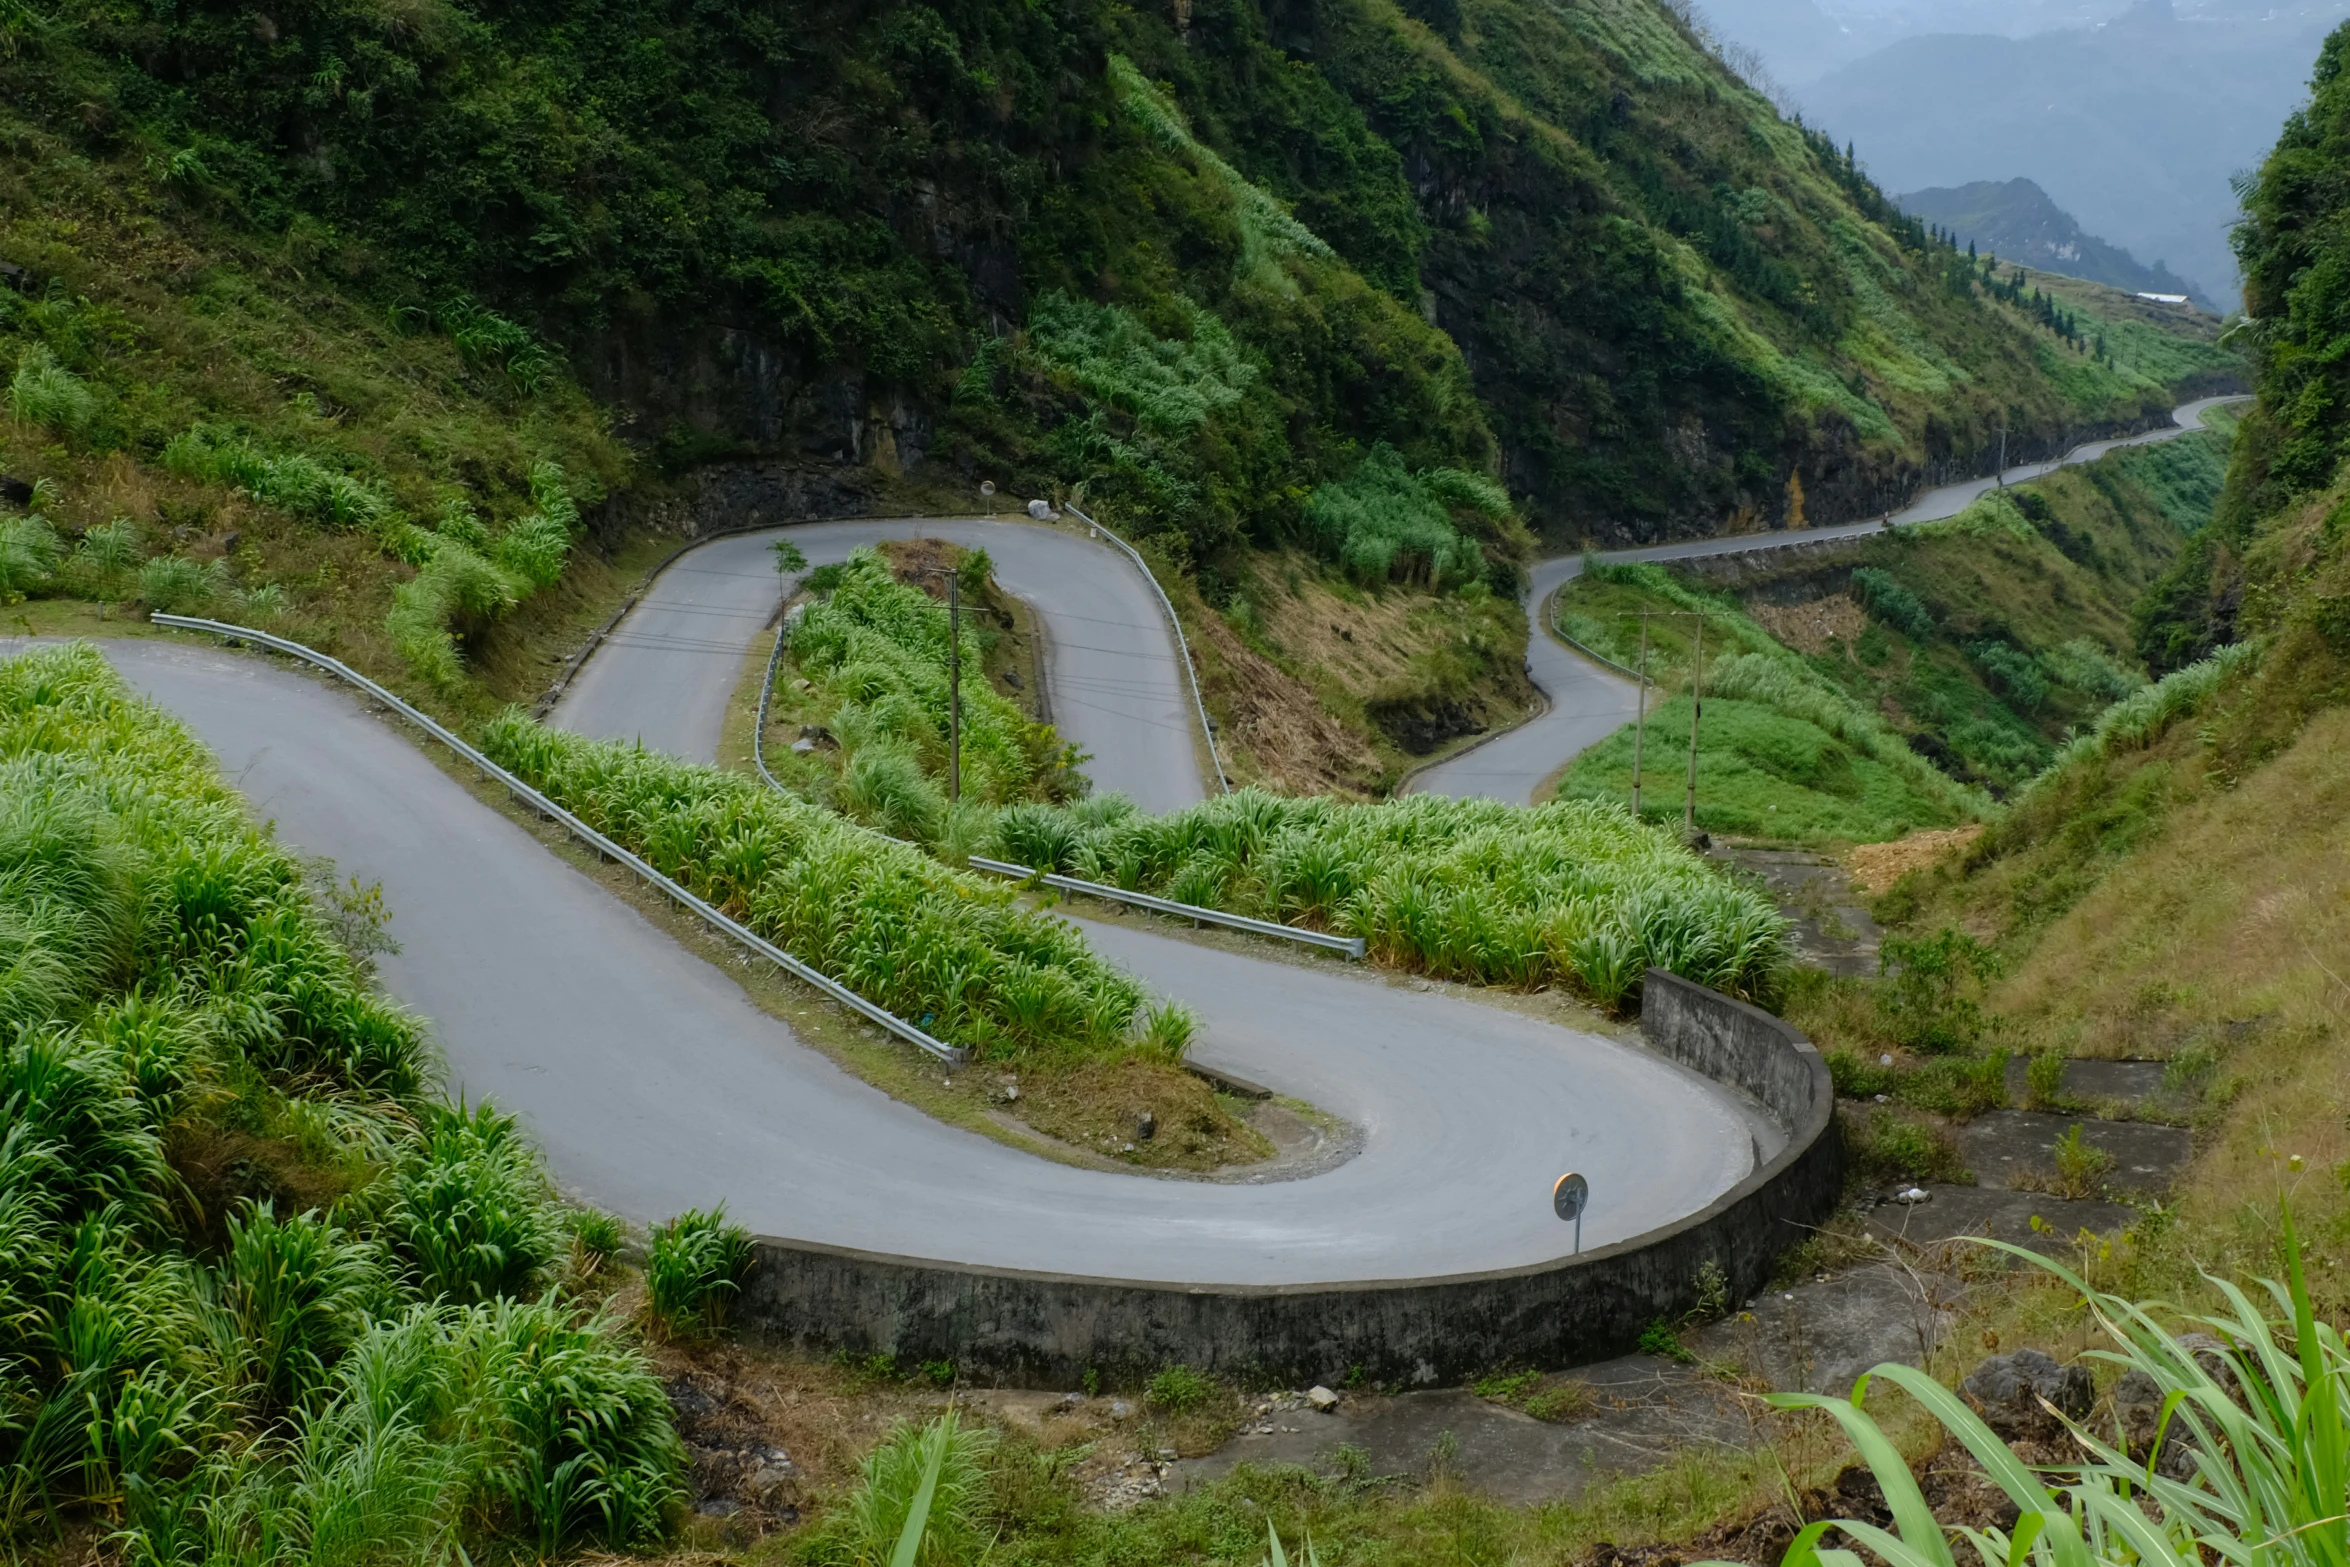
(1640, 718)
(2003, 459)
(1696, 710)
(954, 685)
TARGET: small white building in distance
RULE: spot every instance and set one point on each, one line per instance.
(2164, 299)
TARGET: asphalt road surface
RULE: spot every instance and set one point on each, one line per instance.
(654, 1085)
(1116, 684)
(1587, 702)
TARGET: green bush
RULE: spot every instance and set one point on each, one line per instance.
(1884, 597)
(1178, 1390)
(2014, 673)
(1929, 1003)
(2091, 670)
(1883, 1146)
(1383, 521)
(693, 1270)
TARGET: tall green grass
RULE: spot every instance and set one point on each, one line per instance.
(939, 947)
(2139, 719)
(876, 648)
(1385, 521)
(383, 1376)
(2250, 1459)
(44, 392)
(1571, 893)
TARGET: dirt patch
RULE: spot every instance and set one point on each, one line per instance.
(1877, 866)
(1327, 687)
(1275, 730)
(1138, 1113)
(1811, 627)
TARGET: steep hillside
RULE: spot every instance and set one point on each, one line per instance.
(794, 232)
(361, 319)
(2175, 887)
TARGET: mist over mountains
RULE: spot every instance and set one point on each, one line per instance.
(2132, 124)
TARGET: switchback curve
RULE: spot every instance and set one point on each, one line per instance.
(1588, 702)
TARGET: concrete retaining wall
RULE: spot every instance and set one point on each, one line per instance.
(1049, 1329)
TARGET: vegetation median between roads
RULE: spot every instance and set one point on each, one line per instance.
(944, 949)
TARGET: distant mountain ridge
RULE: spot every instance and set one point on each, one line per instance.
(2133, 127)
(2016, 221)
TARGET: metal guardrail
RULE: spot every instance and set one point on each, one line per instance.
(1352, 946)
(581, 830)
(1206, 729)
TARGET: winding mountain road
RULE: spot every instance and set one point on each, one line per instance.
(1587, 702)
(1118, 691)
(655, 1085)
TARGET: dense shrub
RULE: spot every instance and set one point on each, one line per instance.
(1884, 597)
(1570, 892)
(1383, 520)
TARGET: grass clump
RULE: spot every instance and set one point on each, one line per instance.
(1886, 1146)
(262, 1291)
(944, 949)
(2253, 1398)
(44, 392)
(1178, 1390)
(1567, 893)
(694, 1268)
(924, 1495)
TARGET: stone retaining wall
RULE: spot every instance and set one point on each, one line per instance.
(1049, 1329)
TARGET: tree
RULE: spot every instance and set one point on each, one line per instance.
(788, 556)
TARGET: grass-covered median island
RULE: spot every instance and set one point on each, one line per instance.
(942, 948)
(867, 669)
(1571, 893)
(263, 1299)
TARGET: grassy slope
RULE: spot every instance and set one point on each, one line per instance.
(1994, 575)
(2181, 893)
